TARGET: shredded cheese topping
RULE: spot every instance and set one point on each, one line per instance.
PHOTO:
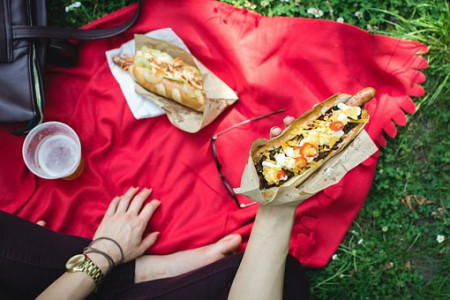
(319, 135)
(162, 64)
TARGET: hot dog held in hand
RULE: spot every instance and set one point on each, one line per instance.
(310, 141)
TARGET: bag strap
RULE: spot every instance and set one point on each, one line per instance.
(48, 32)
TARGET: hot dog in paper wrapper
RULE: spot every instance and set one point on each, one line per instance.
(314, 152)
(175, 80)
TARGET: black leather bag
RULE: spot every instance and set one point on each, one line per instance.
(25, 40)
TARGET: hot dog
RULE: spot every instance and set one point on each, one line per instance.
(310, 141)
(166, 76)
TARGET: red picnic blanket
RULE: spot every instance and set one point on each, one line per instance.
(272, 63)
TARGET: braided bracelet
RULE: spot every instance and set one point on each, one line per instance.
(90, 249)
(111, 240)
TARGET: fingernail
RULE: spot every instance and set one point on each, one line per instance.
(155, 203)
(235, 236)
(231, 237)
(288, 119)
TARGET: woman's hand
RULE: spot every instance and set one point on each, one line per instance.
(125, 221)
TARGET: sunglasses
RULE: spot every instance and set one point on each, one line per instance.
(219, 166)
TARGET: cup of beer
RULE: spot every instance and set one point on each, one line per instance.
(52, 150)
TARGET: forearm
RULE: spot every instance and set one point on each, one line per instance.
(79, 284)
(261, 273)
(76, 285)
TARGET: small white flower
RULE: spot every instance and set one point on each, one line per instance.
(264, 3)
(371, 28)
(334, 257)
(360, 241)
(340, 20)
(341, 275)
(440, 238)
(73, 6)
(249, 5)
(358, 14)
(284, 0)
(315, 12)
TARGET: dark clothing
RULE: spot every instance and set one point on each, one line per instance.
(32, 257)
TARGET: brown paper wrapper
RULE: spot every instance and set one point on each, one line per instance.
(330, 173)
(219, 95)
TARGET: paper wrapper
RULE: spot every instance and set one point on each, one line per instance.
(219, 95)
(330, 173)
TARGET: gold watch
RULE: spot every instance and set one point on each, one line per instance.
(82, 263)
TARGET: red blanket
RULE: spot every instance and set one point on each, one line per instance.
(272, 63)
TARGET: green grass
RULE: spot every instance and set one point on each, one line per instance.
(390, 250)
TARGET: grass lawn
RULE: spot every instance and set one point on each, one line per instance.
(392, 248)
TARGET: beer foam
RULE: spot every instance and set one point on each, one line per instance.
(58, 155)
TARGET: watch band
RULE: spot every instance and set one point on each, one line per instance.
(93, 271)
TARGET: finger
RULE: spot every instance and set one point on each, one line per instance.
(138, 200)
(125, 200)
(112, 206)
(148, 211)
(41, 223)
(288, 120)
(275, 131)
(149, 241)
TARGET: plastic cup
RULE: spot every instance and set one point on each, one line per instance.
(52, 150)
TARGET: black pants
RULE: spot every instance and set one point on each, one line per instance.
(32, 257)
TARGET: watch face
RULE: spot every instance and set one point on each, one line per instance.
(75, 261)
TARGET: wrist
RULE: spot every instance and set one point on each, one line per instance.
(109, 247)
(275, 214)
(273, 226)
